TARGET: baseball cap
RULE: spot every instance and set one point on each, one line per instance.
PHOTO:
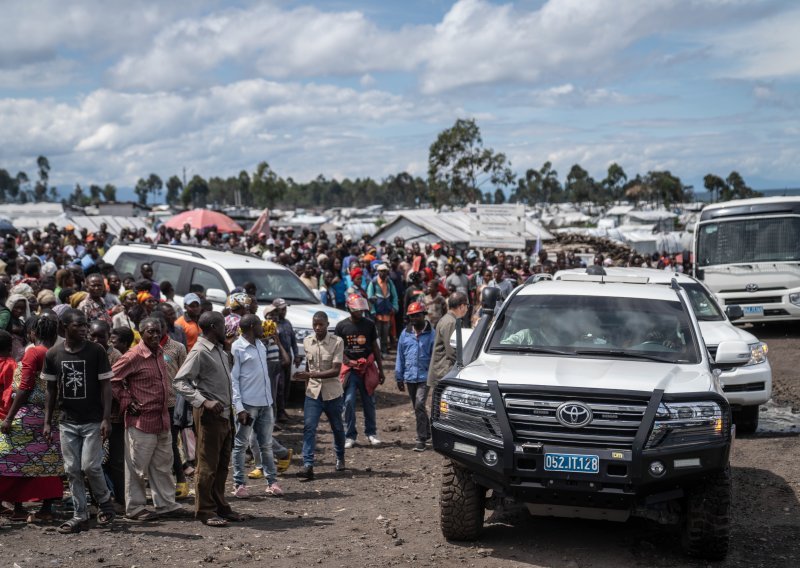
(357, 303)
(190, 299)
(279, 303)
(382, 266)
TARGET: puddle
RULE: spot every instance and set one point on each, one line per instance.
(777, 419)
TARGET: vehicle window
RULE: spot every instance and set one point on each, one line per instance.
(163, 270)
(596, 325)
(127, 263)
(274, 283)
(770, 239)
(207, 279)
(704, 306)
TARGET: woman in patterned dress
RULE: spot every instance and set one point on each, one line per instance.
(30, 467)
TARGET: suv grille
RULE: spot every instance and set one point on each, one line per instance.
(615, 420)
(753, 300)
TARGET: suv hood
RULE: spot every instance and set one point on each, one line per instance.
(300, 315)
(577, 372)
(715, 332)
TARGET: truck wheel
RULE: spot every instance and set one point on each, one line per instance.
(706, 528)
(461, 504)
(746, 419)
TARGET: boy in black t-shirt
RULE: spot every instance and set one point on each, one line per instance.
(78, 377)
(360, 341)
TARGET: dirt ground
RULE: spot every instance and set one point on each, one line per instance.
(383, 511)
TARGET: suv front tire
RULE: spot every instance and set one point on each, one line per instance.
(462, 504)
(706, 528)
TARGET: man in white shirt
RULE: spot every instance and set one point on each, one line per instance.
(252, 401)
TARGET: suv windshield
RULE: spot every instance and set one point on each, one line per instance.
(596, 327)
(272, 284)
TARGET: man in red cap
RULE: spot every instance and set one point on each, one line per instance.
(414, 350)
(362, 369)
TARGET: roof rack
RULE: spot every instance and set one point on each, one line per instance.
(189, 249)
(604, 279)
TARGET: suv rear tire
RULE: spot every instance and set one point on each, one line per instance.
(746, 419)
(706, 528)
(461, 504)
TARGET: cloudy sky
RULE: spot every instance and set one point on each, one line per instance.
(111, 91)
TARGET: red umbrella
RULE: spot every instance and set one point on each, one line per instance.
(202, 218)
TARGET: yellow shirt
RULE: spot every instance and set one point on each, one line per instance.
(322, 356)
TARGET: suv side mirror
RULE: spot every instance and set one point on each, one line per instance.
(734, 312)
(733, 353)
(489, 298)
(216, 296)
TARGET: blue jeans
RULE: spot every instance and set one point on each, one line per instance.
(82, 448)
(355, 384)
(312, 411)
(263, 421)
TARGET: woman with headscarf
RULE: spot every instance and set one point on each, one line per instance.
(147, 301)
(122, 319)
(17, 304)
(30, 466)
(46, 300)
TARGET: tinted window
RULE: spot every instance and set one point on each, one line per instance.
(274, 283)
(170, 271)
(588, 325)
(208, 280)
(129, 263)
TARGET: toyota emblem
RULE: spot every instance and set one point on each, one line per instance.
(574, 414)
(751, 287)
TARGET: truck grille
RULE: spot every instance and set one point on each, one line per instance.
(615, 419)
(755, 300)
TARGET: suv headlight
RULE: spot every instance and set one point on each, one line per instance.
(301, 333)
(758, 353)
(688, 423)
(470, 411)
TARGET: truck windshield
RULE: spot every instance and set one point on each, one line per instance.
(766, 239)
(593, 326)
(272, 284)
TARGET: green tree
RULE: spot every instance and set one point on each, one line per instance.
(40, 188)
(266, 186)
(715, 186)
(499, 196)
(195, 192)
(6, 184)
(614, 182)
(174, 187)
(459, 165)
(579, 185)
(154, 185)
(141, 190)
(738, 188)
(110, 192)
(77, 197)
(243, 186)
(666, 188)
(95, 191)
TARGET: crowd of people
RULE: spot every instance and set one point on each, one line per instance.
(110, 383)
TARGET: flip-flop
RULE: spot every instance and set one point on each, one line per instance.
(142, 516)
(73, 526)
(235, 517)
(215, 522)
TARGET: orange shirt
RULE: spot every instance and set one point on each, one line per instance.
(191, 329)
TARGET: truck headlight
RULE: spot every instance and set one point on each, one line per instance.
(795, 298)
(688, 423)
(758, 353)
(470, 411)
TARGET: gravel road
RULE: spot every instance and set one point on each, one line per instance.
(383, 511)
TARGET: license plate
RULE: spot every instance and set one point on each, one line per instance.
(576, 463)
(753, 310)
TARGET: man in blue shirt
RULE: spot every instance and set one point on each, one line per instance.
(414, 350)
(252, 401)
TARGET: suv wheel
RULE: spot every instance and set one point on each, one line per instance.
(461, 505)
(706, 528)
(746, 419)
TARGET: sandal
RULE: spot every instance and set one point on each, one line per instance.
(143, 516)
(40, 517)
(106, 514)
(73, 526)
(235, 517)
(215, 522)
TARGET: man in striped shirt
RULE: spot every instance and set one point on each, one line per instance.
(142, 385)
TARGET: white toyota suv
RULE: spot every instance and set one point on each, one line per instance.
(591, 397)
(745, 387)
(219, 272)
